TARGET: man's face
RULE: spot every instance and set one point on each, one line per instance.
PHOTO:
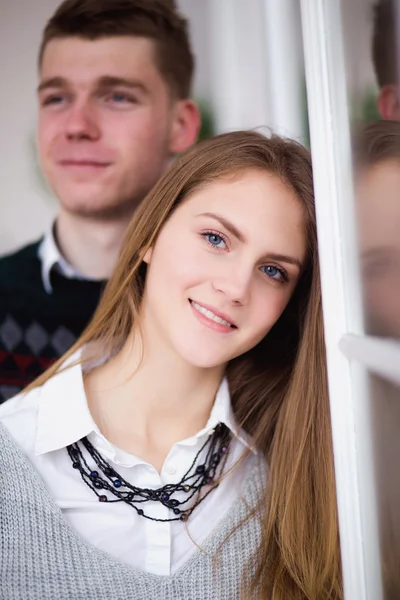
(108, 126)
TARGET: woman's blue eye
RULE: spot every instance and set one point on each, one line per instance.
(274, 273)
(215, 240)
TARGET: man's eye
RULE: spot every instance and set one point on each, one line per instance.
(121, 98)
(53, 100)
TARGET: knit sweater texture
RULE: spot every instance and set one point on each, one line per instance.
(36, 327)
(43, 558)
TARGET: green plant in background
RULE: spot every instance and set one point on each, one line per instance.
(369, 106)
(304, 110)
(207, 120)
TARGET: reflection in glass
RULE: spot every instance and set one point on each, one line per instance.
(386, 419)
(372, 48)
(385, 52)
(377, 169)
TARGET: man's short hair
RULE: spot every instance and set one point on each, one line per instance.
(157, 20)
(385, 42)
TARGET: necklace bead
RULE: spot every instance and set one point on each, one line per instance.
(197, 477)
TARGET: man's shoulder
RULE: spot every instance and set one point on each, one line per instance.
(26, 255)
(20, 268)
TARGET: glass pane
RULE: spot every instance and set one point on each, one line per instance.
(371, 40)
(377, 178)
(386, 419)
(371, 50)
(331, 149)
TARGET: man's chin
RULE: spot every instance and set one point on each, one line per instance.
(105, 209)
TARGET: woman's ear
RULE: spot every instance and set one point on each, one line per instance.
(147, 256)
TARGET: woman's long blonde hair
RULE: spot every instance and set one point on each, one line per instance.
(278, 389)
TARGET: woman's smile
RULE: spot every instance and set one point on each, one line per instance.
(212, 318)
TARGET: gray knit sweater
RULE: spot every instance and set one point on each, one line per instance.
(43, 558)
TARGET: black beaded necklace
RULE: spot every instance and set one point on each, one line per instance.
(204, 475)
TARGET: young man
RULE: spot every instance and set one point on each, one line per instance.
(385, 53)
(114, 109)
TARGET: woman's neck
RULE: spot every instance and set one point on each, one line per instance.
(144, 405)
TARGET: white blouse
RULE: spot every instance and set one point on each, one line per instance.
(47, 419)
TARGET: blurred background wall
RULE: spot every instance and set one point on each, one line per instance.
(249, 74)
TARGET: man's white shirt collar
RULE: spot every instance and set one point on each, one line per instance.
(50, 256)
(64, 416)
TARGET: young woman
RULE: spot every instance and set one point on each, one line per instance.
(182, 448)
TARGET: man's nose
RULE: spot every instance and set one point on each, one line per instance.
(82, 122)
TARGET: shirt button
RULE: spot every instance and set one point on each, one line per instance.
(170, 470)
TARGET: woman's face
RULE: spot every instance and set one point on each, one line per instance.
(223, 268)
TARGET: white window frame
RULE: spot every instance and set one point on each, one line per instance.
(379, 355)
(252, 43)
(349, 352)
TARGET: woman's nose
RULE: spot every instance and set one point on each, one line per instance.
(235, 285)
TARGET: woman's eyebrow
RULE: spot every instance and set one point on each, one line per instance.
(284, 258)
(227, 224)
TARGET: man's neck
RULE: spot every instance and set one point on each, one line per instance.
(90, 246)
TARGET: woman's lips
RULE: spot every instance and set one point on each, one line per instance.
(212, 318)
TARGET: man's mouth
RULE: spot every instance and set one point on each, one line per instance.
(84, 163)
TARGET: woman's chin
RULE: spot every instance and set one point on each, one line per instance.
(205, 359)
